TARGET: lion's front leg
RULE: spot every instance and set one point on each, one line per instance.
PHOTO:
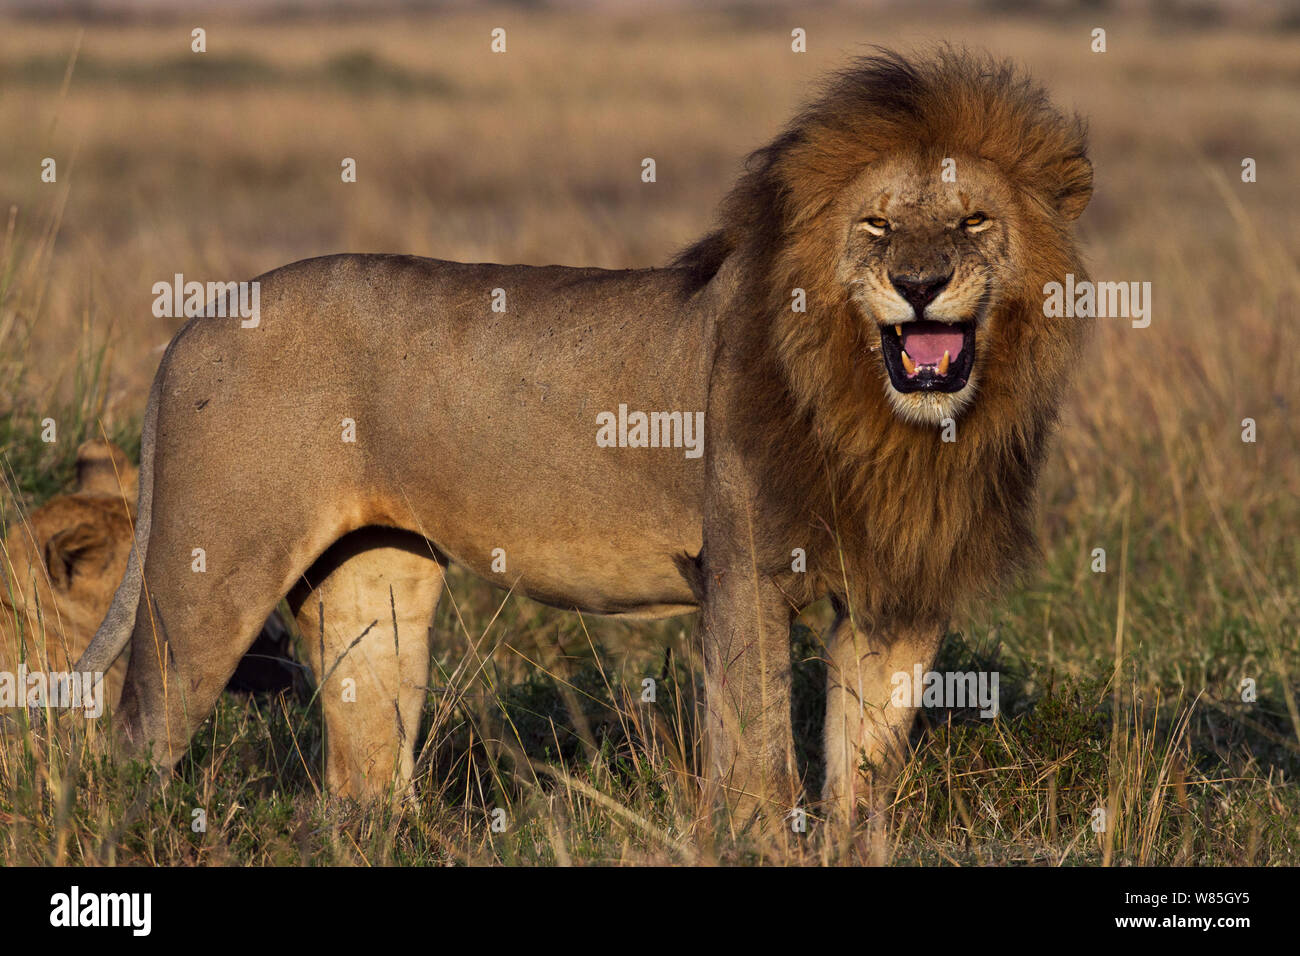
(746, 627)
(866, 734)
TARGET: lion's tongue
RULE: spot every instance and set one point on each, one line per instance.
(926, 344)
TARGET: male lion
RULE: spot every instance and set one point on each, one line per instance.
(874, 290)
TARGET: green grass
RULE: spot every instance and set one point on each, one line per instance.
(70, 411)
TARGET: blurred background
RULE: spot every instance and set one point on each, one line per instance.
(226, 164)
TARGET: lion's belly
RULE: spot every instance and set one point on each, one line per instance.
(623, 584)
(600, 537)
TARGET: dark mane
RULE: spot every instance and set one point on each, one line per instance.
(956, 99)
(846, 462)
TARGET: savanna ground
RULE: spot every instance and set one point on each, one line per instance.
(1120, 690)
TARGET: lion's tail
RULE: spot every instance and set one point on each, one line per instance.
(115, 631)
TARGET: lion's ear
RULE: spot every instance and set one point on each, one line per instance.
(104, 469)
(1074, 186)
(74, 550)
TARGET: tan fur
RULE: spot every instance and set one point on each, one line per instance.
(62, 564)
(475, 435)
(382, 590)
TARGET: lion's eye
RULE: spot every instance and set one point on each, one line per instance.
(875, 225)
(977, 222)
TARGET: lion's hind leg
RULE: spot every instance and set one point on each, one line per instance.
(365, 612)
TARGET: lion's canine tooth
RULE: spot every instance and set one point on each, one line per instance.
(943, 363)
(898, 330)
(908, 363)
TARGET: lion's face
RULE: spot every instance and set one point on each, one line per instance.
(925, 263)
(60, 565)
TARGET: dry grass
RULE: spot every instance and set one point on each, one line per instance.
(1120, 690)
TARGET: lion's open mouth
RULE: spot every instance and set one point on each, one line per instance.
(924, 356)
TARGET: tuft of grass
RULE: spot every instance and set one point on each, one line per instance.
(41, 428)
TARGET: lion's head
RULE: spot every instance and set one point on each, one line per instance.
(60, 566)
(916, 210)
(927, 265)
(920, 207)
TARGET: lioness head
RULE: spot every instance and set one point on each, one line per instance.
(60, 566)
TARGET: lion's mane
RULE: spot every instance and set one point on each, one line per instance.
(915, 523)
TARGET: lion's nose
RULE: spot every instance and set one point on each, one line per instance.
(919, 292)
